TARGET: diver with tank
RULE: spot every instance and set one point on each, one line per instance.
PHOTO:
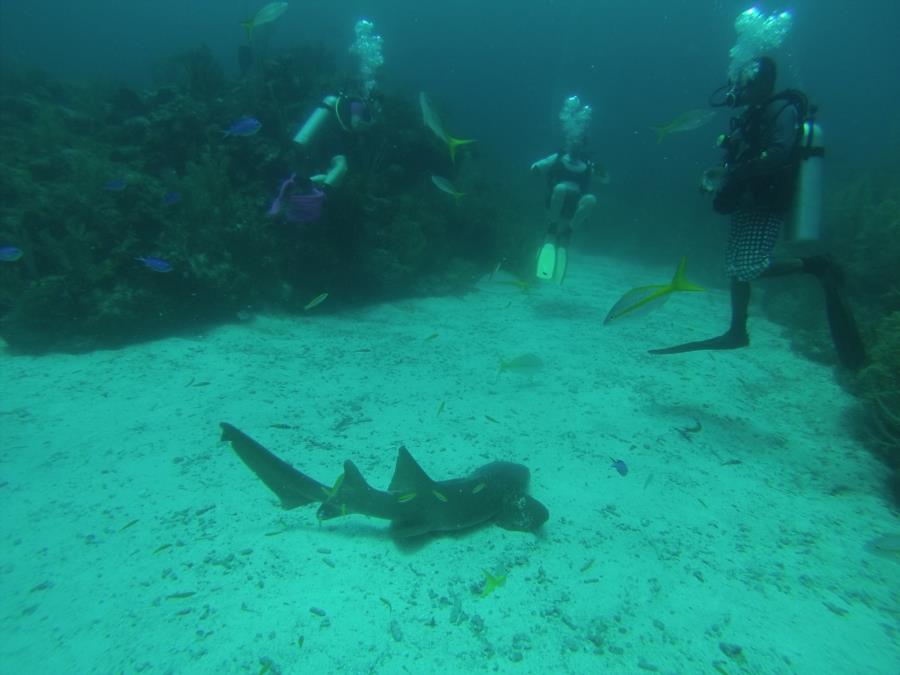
(770, 183)
(331, 131)
(570, 201)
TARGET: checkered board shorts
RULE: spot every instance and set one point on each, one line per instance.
(751, 239)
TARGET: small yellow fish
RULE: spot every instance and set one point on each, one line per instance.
(431, 120)
(445, 185)
(502, 281)
(491, 583)
(267, 14)
(441, 407)
(316, 301)
(640, 300)
(687, 121)
(527, 364)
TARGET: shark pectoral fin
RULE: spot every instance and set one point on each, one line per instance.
(292, 487)
(331, 508)
(410, 528)
(522, 513)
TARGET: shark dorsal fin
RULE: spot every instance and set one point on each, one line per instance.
(408, 475)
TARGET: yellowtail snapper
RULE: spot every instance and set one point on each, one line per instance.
(642, 299)
(315, 302)
(687, 121)
(526, 364)
(265, 15)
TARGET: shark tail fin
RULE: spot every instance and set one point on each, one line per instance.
(454, 143)
(292, 487)
(661, 133)
(680, 282)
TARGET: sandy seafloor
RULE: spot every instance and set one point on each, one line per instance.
(119, 500)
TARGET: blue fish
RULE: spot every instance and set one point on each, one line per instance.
(171, 198)
(155, 264)
(10, 253)
(115, 184)
(246, 126)
(619, 466)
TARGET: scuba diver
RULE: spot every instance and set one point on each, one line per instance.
(346, 116)
(569, 201)
(333, 129)
(330, 127)
(765, 151)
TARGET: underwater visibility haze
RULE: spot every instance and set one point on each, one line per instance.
(425, 252)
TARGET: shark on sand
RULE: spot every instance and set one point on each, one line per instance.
(415, 504)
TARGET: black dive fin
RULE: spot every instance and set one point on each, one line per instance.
(844, 332)
(730, 340)
(289, 485)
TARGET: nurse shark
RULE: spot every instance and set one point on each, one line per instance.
(414, 503)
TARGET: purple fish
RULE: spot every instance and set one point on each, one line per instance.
(115, 184)
(246, 126)
(10, 253)
(155, 264)
(171, 198)
(620, 466)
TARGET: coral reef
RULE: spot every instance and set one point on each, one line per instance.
(879, 386)
(94, 179)
(862, 231)
(864, 226)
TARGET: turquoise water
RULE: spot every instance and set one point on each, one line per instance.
(716, 511)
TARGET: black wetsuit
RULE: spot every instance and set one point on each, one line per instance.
(762, 159)
(558, 173)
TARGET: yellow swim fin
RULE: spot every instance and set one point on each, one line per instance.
(562, 261)
(546, 262)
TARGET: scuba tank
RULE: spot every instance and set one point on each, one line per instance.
(805, 223)
(316, 120)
